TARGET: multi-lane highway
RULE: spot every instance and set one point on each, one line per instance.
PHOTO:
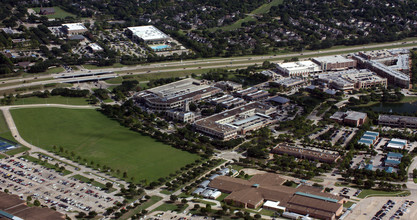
(177, 66)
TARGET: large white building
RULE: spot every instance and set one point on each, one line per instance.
(299, 68)
(74, 28)
(149, 34)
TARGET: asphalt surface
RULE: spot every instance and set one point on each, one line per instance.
(211, 63)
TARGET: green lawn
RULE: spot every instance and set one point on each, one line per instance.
(132, 212)
(52, 100)
(166, 192)
(94, 137)
(409, 99)
(59, 13)
(348, 204)
(222, 196)
(94, 67)
(371, 193)
(94, 182)
(19, 150)
(204, 202)
(235, 25)
(4, 129)
(168, 207)
(46, 164)
(266, 7)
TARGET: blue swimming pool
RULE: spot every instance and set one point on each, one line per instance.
(159, 47)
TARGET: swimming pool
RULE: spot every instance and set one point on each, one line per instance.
(159, 47)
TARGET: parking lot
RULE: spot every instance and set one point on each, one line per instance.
(379, 208)
(25, 178)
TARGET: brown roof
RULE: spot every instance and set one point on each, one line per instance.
(269, 179)
(37, 213)
(229, 184)
(306, 153)
(269, 187)
(7, 201)
(313, 206)
(251, 196)
(13, 205)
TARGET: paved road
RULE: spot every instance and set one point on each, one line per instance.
(211, 63)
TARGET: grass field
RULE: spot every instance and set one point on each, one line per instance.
(170, 206)
(132, 212)
(4, 129)
(52, 100)
(266, 7)
(372, 193)
(348, 204)
(94, 137)
(59, 13)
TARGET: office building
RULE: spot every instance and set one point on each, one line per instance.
(397, 121)
(337, 62)
(307, 153)
(352, 79)
(74, 28)
(299, 68)
(176, 95)
(350, 118)
(148, 34)
(239, 120)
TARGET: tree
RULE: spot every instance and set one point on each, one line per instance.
(36, 203)
(173, 198)
(109, 185)
(92, 214)
(184, 201)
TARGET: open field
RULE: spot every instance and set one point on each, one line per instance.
(370, 193)
(52, 100)
(4, 129)
(59, 13)
(266, 7)
(97, 139)
(170, 207)
(19, 150)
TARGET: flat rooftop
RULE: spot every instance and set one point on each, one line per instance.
(177, 88)
(74, 26)
(300, 65)
(148, 33)
(333, 59)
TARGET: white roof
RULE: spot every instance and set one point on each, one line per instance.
(272, 204)
(395, 146)
(74, 26)
(300, 65)
(332, 59)
(95, 47)
(399, 140)
(148, 32)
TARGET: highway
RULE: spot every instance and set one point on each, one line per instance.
(177, 66)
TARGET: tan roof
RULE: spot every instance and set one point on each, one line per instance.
(229, 184)
(313, 206)
(250, 196)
